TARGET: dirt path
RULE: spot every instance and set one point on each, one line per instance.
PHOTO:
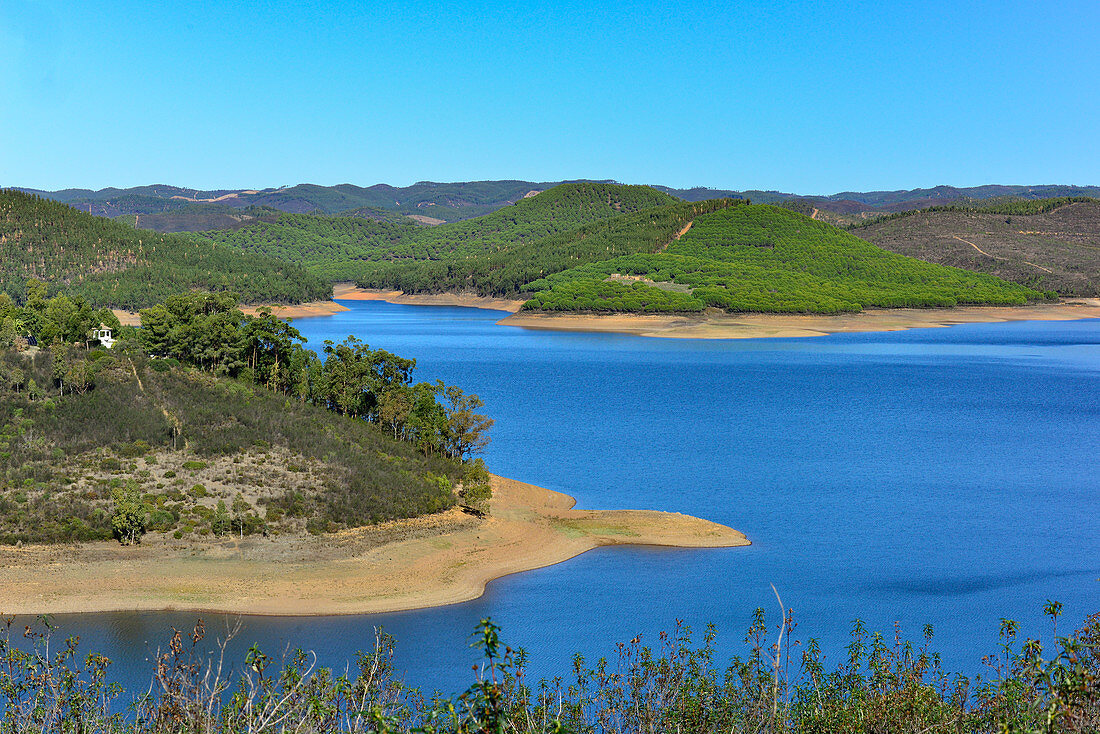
(968, 242)
(679, 234)
(995, 257)
(408, 564)
(133, 367)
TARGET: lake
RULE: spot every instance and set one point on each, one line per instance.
(942, 476)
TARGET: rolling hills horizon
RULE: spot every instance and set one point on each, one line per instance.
(429, 202)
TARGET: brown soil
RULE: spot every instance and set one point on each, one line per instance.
(427, 561)
(297, 311)
(430, 221)
(1058, 250)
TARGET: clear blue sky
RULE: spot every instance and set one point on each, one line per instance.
(807, 97)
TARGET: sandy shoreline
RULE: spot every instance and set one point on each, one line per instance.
(408, 564)
(719, 325)
(352, 292)
(712, 324)
(715, 324)
(296, 311)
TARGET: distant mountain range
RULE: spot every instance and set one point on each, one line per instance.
(432, 203)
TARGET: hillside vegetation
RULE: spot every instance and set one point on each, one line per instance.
(606, 247)
(507, 269)
(464, 200)
(198, 218)
(766, 258)
(206, 417)
(111, 264)
(351, 248)
(444, 201)
(1046, 244)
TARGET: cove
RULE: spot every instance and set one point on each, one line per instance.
(943, 476)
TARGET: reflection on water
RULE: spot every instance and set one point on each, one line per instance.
(940, 476)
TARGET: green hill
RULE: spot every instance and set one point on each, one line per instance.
(766, 258)
(1046, 244)
(622, 248)
(352, 248)
(111, 264)
(443, 201)
(508, 268)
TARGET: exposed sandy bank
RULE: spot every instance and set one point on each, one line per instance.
(719, 325)
(352, 292)
(301, 310)
(297, 311)
(429, 561)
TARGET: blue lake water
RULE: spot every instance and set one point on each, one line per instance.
(943, 476)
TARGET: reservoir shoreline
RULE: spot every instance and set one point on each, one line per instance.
(711, 324)
(716, 324)
(406, 564)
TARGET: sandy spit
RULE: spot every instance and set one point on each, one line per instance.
(297, 311)
(408, 564)
(352, 292)
(720, 325)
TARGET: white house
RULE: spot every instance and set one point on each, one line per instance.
(104, 335)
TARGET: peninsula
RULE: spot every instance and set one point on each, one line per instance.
(432, 560)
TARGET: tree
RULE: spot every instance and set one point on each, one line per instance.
(60, 365)
(128, 520)
(394, 408)
(427, 419)
(222, 523)
(467, 432)
(476, 489)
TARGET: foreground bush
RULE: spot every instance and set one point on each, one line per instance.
(676, 687)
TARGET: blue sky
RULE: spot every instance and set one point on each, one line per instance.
(805, 97)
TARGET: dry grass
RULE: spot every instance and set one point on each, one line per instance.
(1058, 251)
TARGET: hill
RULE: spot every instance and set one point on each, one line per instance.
(440, 201)
(607, 247)
(765, 258)
(353, 248)
(871, 202)
(1047, 244)
(448, 202)
(507, 269)
(206, 410)
(185, 441)
(111, 264)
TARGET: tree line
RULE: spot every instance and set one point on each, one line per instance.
(209, 332)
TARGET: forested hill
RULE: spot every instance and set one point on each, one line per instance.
(434, 202)
(111, 264)
(440, 201)
(766, 258)
(607, 247)
(353, 248)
